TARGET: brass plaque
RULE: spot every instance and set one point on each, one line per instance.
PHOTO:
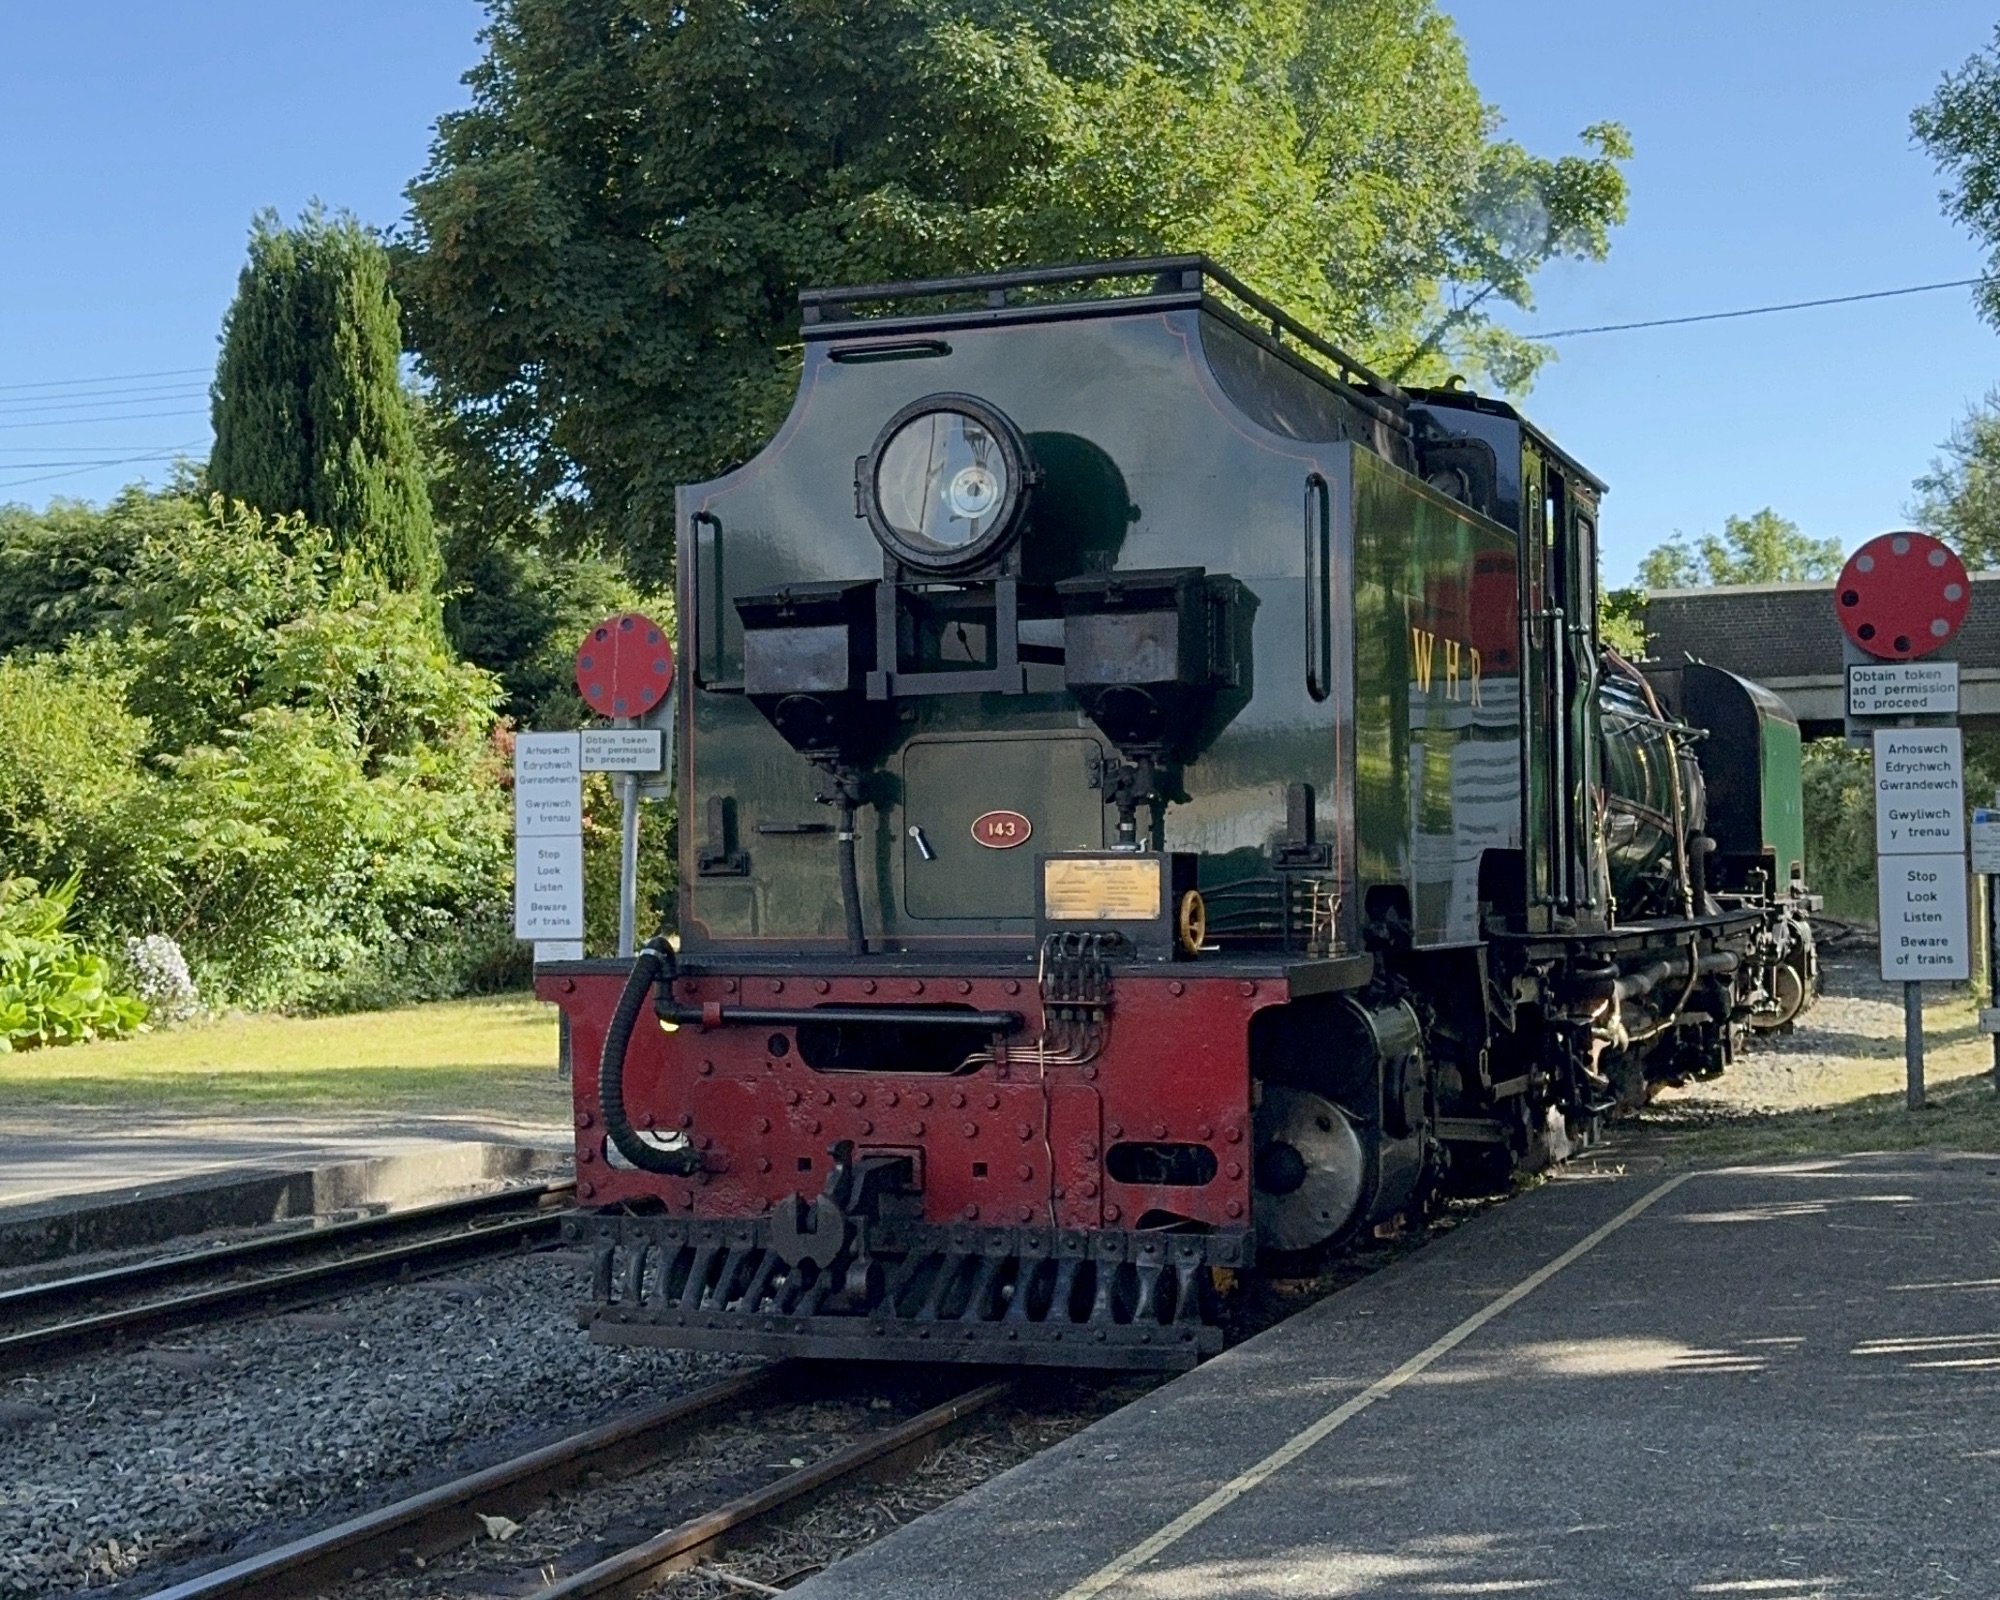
(1101, 891)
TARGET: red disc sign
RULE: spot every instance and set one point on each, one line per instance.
(626, 666)
(1902, 595)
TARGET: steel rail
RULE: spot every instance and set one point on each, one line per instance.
(156, 1271)
(633, 1571)
(443, 1518)
(301, 1286)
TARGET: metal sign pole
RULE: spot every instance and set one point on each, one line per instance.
(1993, 963)
(623, 670)
(628, 863)
(1985, 832)
(1913, 1044)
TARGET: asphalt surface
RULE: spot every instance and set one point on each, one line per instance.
(1780, 1381)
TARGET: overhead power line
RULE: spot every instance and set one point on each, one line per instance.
(126, 448)
(1756, 311)
(43, 405)
(118, 377)
(76, 469)
(81, 422)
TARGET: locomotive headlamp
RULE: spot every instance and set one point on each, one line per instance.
(946, 486)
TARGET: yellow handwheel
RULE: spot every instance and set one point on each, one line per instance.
(1192, 922)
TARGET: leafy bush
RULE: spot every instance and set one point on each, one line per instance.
(603, 842)
(268, 755)
(1840, 827)
(61, 568)
(53, 990)
(72, 761)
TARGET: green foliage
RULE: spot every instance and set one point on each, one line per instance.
(1760, 548)
(1958, 499)
(60, 568)
(1621, 621)
(1960, 127)
(309, 409)
(268, 754)
(52, 989)
(607, 244)
(1840, 816)
(522, 611)
(1840, 826)
(71, 760)
(603, 820)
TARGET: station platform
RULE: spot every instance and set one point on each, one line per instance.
(75, 1185)
(1776, 1381)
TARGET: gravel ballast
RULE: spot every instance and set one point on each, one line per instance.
(179, 1453)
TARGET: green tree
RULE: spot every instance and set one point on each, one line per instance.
(1960, 127)
(607, 245)
(1958, 499)
(1760, 548)
(309, 409)
(1621, 621)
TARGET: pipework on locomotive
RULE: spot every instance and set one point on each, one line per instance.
(1154, 806)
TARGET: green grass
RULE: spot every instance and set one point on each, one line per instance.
(1962, 1113)
(489, 1056)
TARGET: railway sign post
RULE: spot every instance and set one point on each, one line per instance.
(624, 670)
(1900, 597)
(548, 844)
(1984, 832)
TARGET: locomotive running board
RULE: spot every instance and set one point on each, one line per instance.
(1133, 1301)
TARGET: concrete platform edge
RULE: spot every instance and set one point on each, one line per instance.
(47, 1230)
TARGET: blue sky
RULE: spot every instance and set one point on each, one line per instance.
(137, 140)
(1774, 163)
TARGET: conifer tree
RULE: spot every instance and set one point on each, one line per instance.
(309, 408)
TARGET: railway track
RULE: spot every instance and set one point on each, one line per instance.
(452, 1514)
(71, 1316)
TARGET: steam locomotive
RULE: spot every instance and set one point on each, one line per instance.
(1154, 806)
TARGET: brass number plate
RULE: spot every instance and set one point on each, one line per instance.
(1101, 891)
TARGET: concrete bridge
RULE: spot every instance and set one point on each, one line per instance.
(1785, 637)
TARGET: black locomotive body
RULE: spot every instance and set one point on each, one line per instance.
(1154, 803)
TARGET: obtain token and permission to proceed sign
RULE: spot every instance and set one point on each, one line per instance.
(1919, 792)
(1903, 689)
(622, 749)
(1922, 906)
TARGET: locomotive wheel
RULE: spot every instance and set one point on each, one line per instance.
(1788, 989)
(1309, 1171)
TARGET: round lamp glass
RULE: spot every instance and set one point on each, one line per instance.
(942, 482)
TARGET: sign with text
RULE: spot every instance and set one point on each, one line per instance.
(622, 750)
(548, 886)
(1985, 841)
(1903, 689)
(1922, 907)
(1919, 792)
(548, 785)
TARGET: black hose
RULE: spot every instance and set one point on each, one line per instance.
(850, 880)
(654, 956)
